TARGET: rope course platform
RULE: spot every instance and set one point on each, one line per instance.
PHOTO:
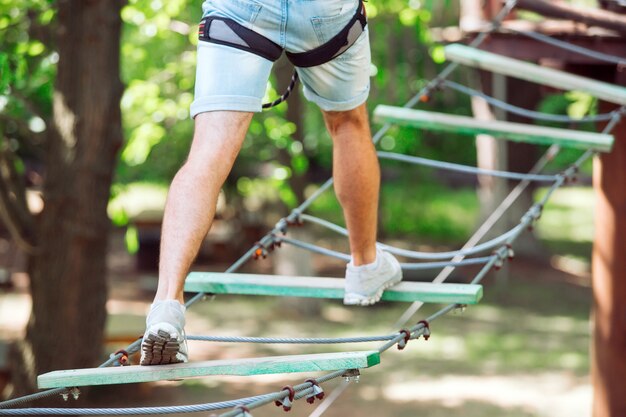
(241, 367)
(506, 130)
(315, 287)
(535, 73)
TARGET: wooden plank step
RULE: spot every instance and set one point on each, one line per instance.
(519, 132)
(256, 366)
(535, 73)
(315, 287)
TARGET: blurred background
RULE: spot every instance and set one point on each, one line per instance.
(84, 182)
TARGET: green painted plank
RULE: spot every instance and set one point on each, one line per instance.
(530, 72)
(256, 366)
(506, 130)
(314, 287)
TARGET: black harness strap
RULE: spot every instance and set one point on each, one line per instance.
(227, 32)
(334, 47)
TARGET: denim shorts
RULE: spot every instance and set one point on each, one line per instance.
(231, 79)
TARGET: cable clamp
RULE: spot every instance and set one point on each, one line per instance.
(510, 253)
(352, 375)
(75, 393)
(402, 342)
(318, 392)
(502, 254)
(288, 400)
(532, 215)
(276, 242)
(500, 257)
(437, 85)
(295, 218)
(570, 174)
(208, 296)
(260, 251)
(243, 411)
(122, 360)
(425, 329)
(282, 226)
(460, 308)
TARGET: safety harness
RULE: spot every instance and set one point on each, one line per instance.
(224, 31)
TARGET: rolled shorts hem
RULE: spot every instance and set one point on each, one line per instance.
(328, 105)
(225, 103)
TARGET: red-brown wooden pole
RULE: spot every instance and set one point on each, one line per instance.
(608, 367)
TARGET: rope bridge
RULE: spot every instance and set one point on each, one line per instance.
(455, 296)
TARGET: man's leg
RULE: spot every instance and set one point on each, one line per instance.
(193, 194)
(357, 179)
(357, 184)
(189, 212)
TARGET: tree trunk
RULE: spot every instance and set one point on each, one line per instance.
(68, 270)
(608, 357)
(506, 155)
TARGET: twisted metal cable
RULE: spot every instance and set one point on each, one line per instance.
(416, 160)
(405, 266)
(600, 56)
(291, 340)
(491, 244)
(195, 408)
(531, 114)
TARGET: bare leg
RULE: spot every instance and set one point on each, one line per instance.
(193, 194)
(357, 179)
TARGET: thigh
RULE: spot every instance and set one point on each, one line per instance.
(228, 78)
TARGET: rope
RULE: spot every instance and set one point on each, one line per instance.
(129, 410)
(406, 266)
(287, 340)
(286, 94)
(493, 243)
(525, 112)
(465, 168)
(600, 56)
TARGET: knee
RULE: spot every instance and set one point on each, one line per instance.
(346, 121)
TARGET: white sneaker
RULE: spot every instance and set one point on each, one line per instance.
(164, 341)
(365, 283)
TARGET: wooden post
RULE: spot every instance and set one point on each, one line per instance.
(491, 153)
(608, 367)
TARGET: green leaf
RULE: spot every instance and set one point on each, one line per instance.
(132, 240)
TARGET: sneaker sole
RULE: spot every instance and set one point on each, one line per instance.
(160, 348)
(353, 299)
